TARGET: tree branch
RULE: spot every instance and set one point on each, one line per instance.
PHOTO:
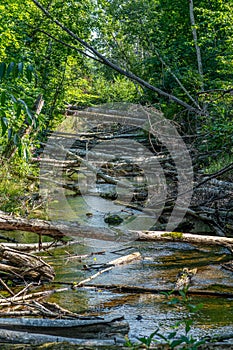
(115, 67)
(197, 47)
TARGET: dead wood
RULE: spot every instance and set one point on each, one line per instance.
(61, 228)
(88, 165)
(84, 328)
(16, 337)
(56, 229)
(126, 259)
(109, 266)
(183, 237)
(122, 288)
(5, 286)
(34, 247)
(24, 265)
(22, 298)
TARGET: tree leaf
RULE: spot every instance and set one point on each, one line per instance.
(10, 69)
(29, 72)
(2, 70)
(4, 123)
(20, 68)
(31, 117)
(16, 139)
(10, 131)
(3, 98)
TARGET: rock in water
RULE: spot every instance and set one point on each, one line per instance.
(113, 219)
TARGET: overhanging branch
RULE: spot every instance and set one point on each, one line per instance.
(115, 67)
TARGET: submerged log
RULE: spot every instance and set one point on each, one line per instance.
(133, 289)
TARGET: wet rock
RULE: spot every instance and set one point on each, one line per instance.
(113, 219)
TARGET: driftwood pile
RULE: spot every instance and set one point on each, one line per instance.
(23, 266)
(58, 324)
(69, 153)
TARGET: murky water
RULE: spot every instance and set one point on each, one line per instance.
(158, 268)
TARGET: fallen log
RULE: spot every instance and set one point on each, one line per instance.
(24, 265)
(56, 229)
(184, 237)
(102, 328)
(15, 337)
(109, 266)
(121, 288)
(60, 229)
(34, 247)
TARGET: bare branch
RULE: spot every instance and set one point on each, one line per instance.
(198, 51)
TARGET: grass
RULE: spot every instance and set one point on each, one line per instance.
(219, 163)
(15, 188)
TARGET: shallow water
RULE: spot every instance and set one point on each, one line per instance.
(158, 268)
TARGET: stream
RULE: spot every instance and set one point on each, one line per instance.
(158, 268)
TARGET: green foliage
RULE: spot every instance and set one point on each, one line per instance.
(142, 37)
(15, 186)
(14, 111)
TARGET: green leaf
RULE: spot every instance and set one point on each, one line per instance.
(2, 69)
(20, 68)
(171, 335)
(174, 343)
(20, 150)
(188, 324)
(16, 139)
(4, 123)
(31, 117)
(3, 98)
(18, 111)
(10, 69)
(13, 98)
(10, 131)
(26, 153)
(29, 72)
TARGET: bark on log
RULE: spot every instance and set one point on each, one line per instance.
(60, 229)
(109, 266)
(15, 337)
(23, 265)
(56, 229)
(183, 237)
(122, 288)
(102, 328)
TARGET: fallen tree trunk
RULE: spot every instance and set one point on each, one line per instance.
(60, 229)
(79, 328)
(109, 266)
(56, 229)
(16, 337)
(183, 237)
(34, 247)
(122, 288)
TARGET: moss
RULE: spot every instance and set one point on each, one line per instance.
(174, 235)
